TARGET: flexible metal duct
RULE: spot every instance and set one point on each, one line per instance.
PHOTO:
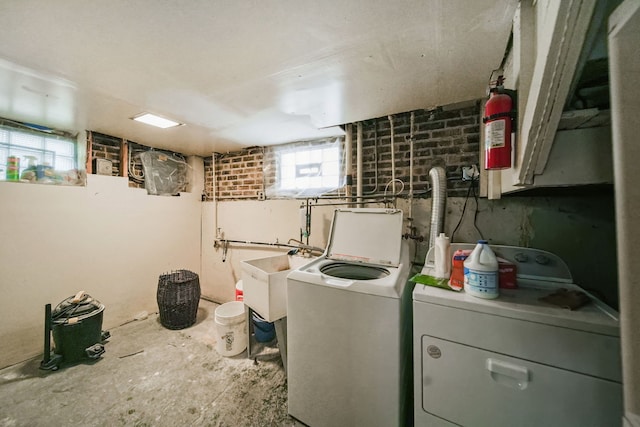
(438, 179)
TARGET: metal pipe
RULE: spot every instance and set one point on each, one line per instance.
(47, 334)
(375, 157)
(438, 179)
(213, 195)
(225, 244)
(368, 196)
(359, 163)
(384, 201)
(348, 146)
(393, 158)
(308, 221)
(413, 116)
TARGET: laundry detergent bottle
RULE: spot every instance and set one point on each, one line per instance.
(443, 257)
(481, 272)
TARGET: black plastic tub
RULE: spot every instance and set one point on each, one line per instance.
(77, 328)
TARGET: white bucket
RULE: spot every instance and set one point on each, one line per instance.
(231, 328)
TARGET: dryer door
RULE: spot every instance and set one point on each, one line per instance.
(470, 386)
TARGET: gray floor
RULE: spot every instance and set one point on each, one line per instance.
(152, 376)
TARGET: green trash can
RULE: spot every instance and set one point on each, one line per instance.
(77, 328)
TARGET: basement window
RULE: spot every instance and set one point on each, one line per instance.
(28, 154)
(306, 169)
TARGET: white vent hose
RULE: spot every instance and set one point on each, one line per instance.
(438, 179)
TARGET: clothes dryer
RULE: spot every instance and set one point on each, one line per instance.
(516, 360)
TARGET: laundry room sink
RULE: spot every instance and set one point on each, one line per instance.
(264, 283)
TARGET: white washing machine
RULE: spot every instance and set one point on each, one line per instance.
(516, 360)
(349, 326)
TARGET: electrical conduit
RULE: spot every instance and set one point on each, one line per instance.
(413, 116)
(359, 164)
(348, 144)
(213, 197)
(393, 159)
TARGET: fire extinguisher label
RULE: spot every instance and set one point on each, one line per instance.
(494, 134)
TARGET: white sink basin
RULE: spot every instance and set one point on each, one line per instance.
(264, 284)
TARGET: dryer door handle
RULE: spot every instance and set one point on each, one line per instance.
(509, 374)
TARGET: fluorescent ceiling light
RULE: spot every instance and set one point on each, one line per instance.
(157, 121)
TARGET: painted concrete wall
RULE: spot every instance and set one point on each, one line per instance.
(581, 230)
(264, 221)
(107, 239)
(113, 242)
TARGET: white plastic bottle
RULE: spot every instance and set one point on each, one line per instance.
(481, 272)
(442, 257)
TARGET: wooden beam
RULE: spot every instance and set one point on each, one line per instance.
(124, 158)
(89, 160)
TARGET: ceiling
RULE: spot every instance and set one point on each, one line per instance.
(241, 73)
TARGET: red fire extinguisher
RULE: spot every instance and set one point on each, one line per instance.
(497, 129)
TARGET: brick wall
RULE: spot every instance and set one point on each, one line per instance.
(450, 139)
(109, 147)
(238, 175)
(105, 147)
(443, 137)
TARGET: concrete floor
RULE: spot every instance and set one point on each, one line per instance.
(152, 376)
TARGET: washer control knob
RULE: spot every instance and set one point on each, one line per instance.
(521, 257)
(542, 259)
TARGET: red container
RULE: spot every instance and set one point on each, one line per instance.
(506, 274)
(497, 120)
(239, 291)
(456, 281)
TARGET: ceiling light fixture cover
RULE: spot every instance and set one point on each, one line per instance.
(153, 120)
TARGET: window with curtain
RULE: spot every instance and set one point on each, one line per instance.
(306, 169)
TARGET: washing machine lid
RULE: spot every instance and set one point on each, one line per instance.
(367, 235)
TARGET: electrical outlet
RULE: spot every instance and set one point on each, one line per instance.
(470, 172)
(261, 195)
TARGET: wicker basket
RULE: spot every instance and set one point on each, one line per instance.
(178, 298)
